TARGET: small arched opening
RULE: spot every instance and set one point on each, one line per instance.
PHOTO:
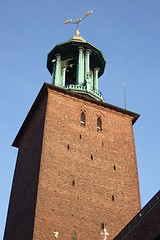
(83, 119)
(99, 124)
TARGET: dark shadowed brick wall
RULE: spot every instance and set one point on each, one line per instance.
(146, 224)
(21, 212)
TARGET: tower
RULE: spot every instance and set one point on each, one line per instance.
(76, 170)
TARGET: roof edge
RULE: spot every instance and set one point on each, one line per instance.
(105, 105)
(139, 217)
(44, 90)
(24, 125)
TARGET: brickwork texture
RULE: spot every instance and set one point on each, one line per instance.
(71, 178)
(64, 208)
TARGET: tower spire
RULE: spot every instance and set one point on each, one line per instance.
(76, 65)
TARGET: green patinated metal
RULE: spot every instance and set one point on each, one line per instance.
(53, 73)
(58, 81)
(76, 65)
(80, 75)
(63, 75)
(87, 69)
(95, 86)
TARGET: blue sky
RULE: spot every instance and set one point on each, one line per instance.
(127, 32)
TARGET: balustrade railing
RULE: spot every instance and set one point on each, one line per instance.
(84, 88)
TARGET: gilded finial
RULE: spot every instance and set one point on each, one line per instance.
(77, 33)
(77, 21)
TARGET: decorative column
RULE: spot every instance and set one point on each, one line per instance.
(87, 63)
(95, 80)
(80, 70)
(58, 77)
(63, 75)
(91, 80)
(53, 73)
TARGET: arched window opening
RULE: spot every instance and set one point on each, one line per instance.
(71, 72)
(99, 124)
(83, 119)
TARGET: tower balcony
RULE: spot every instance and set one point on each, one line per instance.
(83, 90)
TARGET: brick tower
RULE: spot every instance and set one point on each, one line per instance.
(76, 171)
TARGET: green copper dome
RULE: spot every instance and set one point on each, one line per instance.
(76, 65)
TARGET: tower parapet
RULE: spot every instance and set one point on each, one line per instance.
(76, 65)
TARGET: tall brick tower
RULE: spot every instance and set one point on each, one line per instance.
(76, 171)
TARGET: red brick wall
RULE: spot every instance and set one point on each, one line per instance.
(64, 208)
(21, 212)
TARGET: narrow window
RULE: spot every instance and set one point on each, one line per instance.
(73, 183)
(114, 167)
(83, 119)
(112, 198)
(80, 136)
(91, 157)
(102, 226)
(68, 147)
(99, 124)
